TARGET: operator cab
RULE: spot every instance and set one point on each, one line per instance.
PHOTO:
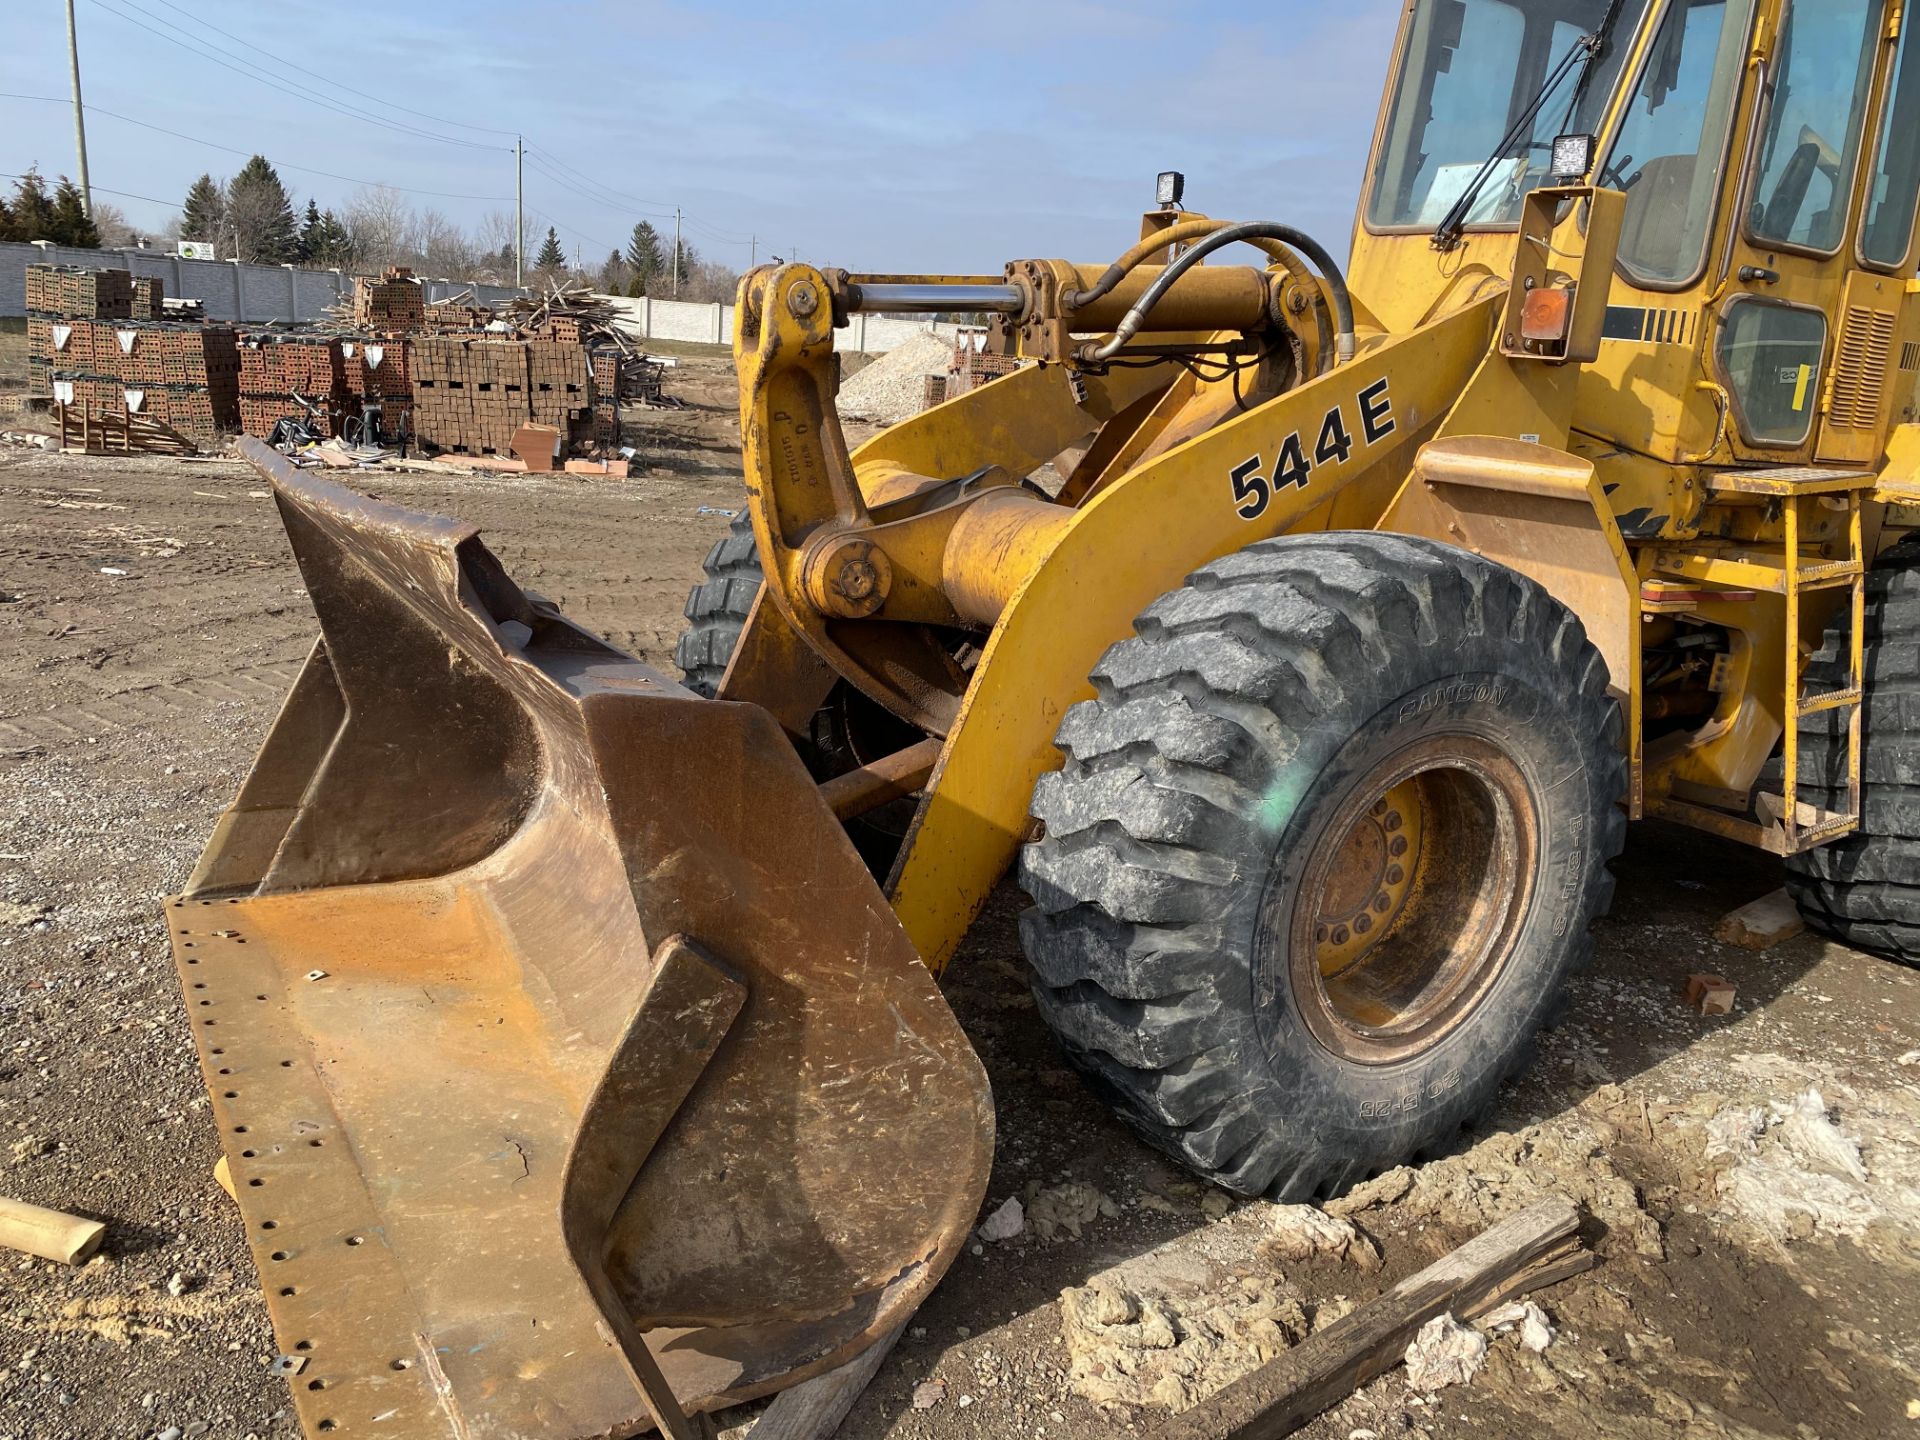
(1769, 151)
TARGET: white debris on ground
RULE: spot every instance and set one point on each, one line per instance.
(1304, 1232)
(1007, 1221)
(1157, 1335)
(894, 387)
(1064, 1210)
(1444, 1353)
(1171, 1326)
(1535, 1329)
(1508, 1171)
(1791, 1170)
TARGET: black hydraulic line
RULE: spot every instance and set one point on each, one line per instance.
(1336, 282)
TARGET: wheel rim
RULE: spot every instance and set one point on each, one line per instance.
(1412, 898)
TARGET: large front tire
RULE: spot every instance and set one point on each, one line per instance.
(1326, 846)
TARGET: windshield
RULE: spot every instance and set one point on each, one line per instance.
(1472, 68)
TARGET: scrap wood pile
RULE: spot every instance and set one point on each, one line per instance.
(575, 315)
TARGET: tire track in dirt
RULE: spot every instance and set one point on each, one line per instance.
(148, 705)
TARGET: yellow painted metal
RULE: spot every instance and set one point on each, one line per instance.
(1136, 539)
(1633, 450)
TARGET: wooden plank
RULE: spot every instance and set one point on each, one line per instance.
(813, 1409)
(1534, 1248)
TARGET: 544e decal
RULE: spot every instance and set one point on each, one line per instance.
(1253, 491)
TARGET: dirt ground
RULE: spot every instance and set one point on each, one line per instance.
(1752, 1181)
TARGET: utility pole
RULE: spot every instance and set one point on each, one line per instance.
(519, 209)
(753, 251)
(79, 111)
(676, 252)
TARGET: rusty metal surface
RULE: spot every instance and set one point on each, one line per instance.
(421, 939)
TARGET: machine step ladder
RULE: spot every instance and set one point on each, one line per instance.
(1780, 822)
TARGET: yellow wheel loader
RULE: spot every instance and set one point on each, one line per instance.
(1306, 635)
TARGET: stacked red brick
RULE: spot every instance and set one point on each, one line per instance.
(469, 392)
(393, 302)
(472, 393)
(380, 371)
(298, 376)
(149, 298)
(185, 376)
(58, 293)
(972, 367)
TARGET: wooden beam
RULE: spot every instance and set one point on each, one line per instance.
(813, 1409)
(1534, 1248)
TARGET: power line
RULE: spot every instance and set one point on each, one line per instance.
(709, 231)
(279, 87)
(123, 194)
(654, 207)
(331, 79)
(234, 150)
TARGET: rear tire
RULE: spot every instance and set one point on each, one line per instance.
(1864, 890)
(1312, 733)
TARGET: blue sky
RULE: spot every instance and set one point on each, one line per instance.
(873, 136)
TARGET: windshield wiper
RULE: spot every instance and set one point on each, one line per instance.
(1590, 48)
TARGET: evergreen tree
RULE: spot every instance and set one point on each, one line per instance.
(7, 229)
(551, 256)
(204, 213)
(260, 215)
(71, 223)
(685, 259)
(644, 255)
(309, 238)
(324, 241)
(32, 208)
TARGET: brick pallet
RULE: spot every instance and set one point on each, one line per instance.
(379, 371)
(395, 301)
(69, 292)
(473, 393)
(149, 297)
(275, 368)
(58, 293)
(185, 376)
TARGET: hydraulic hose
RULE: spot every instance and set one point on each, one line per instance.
(1131, 260)
(1336, 283)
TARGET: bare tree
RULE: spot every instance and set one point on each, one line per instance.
(439, 245)
(380, 221)
(111, 221)
(708, 280)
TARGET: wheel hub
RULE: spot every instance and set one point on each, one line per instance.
(1371, 879)
(1411, 899)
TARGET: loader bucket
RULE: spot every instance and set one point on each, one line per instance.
(560, 1043)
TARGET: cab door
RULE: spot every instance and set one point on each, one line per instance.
(1805, 344)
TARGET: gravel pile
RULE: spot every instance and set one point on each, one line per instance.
(893, 388)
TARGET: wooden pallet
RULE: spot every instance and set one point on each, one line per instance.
(87, 431)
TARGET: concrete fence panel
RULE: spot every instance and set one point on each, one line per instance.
(646, 318)
(230, 291)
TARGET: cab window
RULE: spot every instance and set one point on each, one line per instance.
(1470, 70)
(1816, 116)
(1668, 153)
(1888, 230)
